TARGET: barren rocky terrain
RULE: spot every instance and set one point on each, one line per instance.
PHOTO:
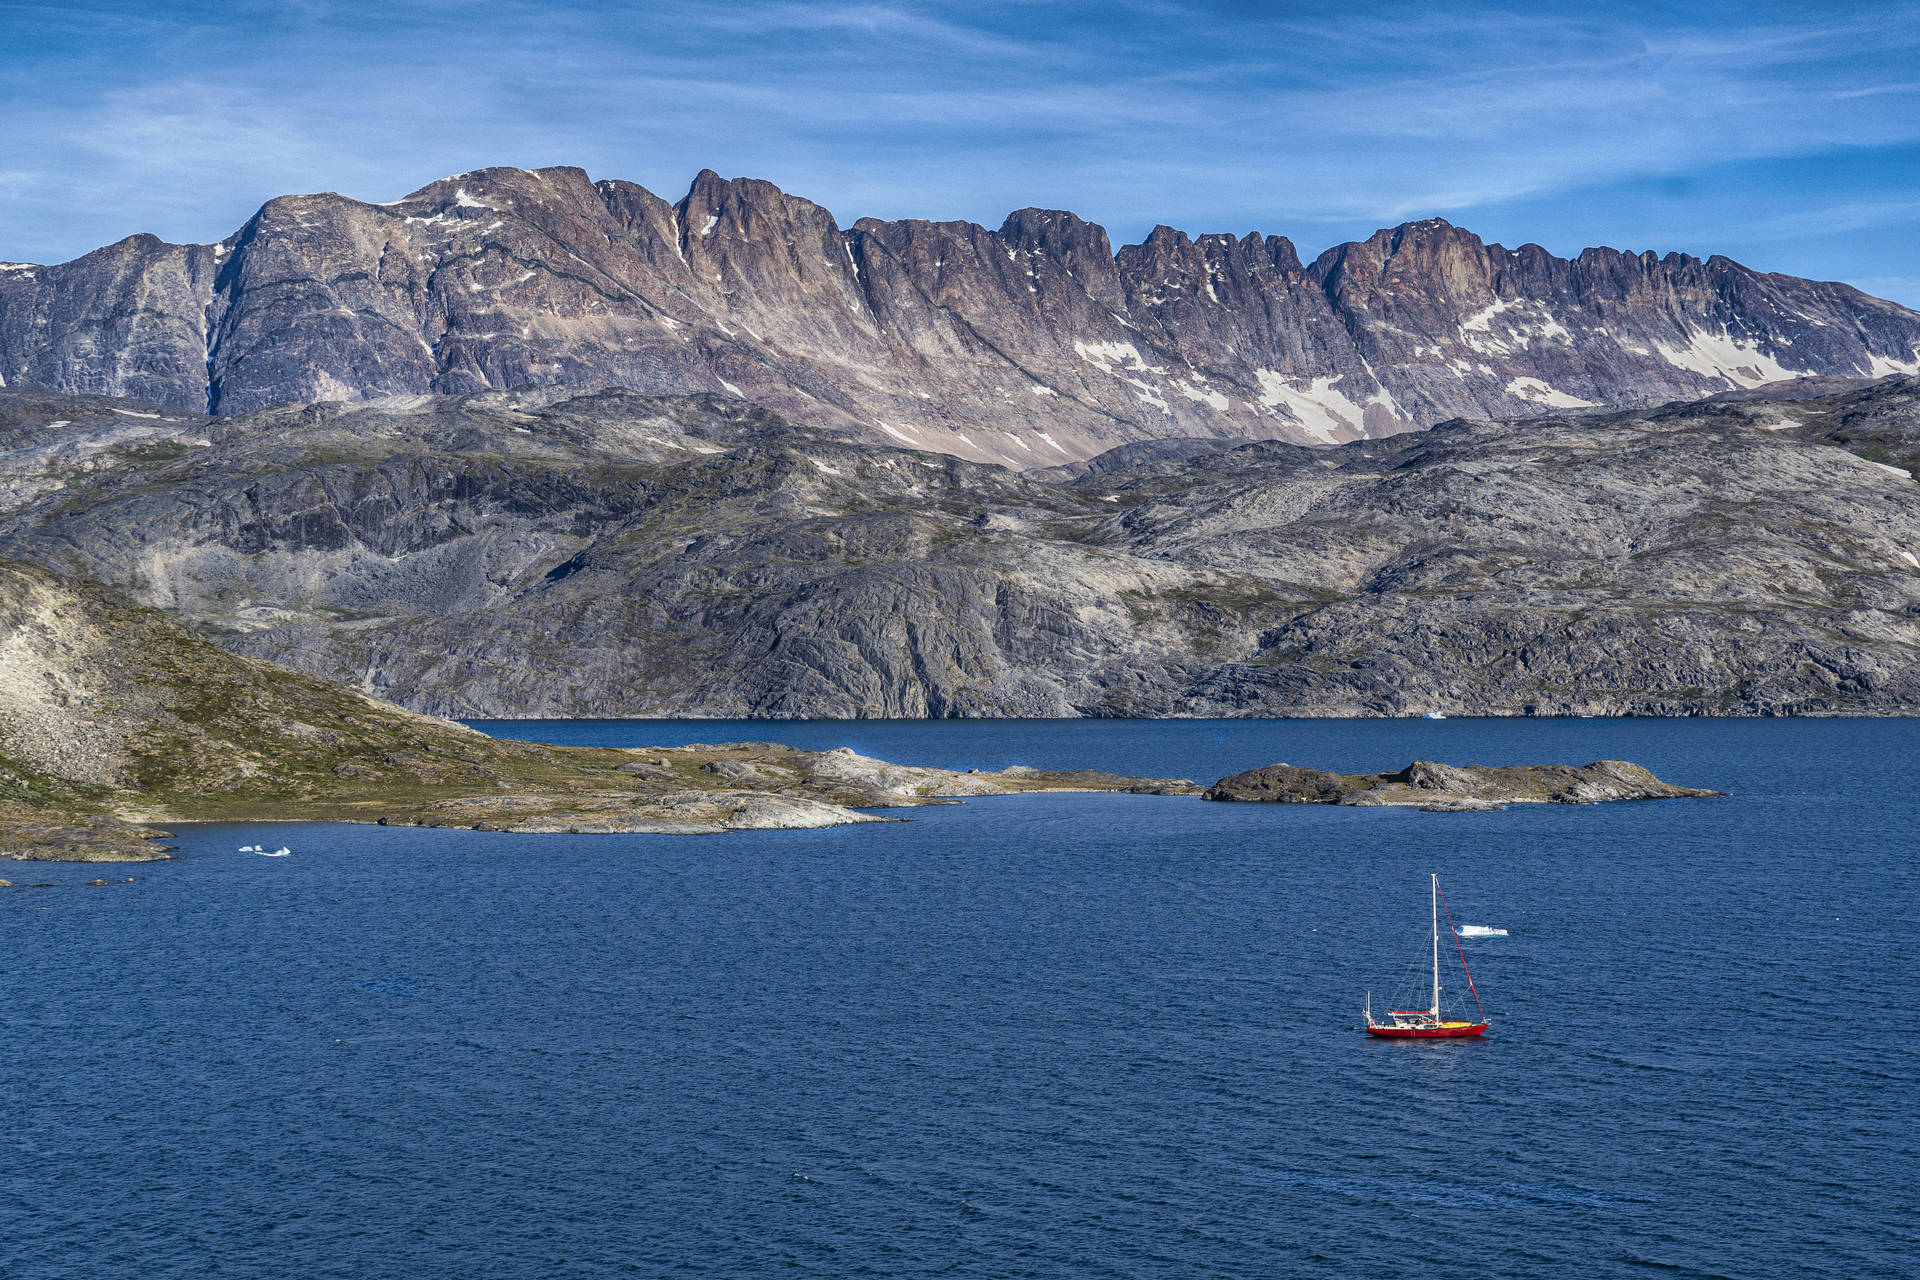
(547, 552)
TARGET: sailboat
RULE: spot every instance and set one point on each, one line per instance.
(1429, 1023)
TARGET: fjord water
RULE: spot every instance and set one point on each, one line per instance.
(1044, 1035)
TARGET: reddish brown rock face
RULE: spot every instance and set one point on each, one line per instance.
(1031, 345)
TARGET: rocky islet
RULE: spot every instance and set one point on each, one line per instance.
(1446, 788)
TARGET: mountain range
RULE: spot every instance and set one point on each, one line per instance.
(1029, 345)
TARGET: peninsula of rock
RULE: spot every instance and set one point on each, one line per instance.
(115, 720)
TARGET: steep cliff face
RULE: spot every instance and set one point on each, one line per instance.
(1030, 345)
(542, 552)
(127, 320)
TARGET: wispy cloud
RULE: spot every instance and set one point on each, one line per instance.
(1901, 289)
(1832, 219)
(1308, 118)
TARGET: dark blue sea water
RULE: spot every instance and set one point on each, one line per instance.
(1033, 1036)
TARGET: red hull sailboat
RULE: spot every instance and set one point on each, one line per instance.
(1429, 1023)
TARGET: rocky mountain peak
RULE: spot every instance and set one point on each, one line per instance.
(1279, 250)
(498, 185)
(1079, 247)
(1062, 235)
(748, 207)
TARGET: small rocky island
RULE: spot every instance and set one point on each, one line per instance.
(1446, 788)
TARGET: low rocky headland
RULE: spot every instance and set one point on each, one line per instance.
(1447, 788)
(115, 720)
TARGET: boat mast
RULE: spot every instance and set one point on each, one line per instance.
(1436, 944)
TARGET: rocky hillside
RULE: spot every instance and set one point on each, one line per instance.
(544, 553)
(1033, 344)
(113, 717)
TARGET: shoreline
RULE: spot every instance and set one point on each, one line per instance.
(703, 789)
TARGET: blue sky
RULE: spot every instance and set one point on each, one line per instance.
(1786, 136)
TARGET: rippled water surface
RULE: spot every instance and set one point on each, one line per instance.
(1050, 1036)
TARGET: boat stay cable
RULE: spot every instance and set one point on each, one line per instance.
(1457, 947)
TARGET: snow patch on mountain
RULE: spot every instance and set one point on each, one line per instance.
(1477, 330)
(1540, 393)
(1110, 356)
(1325, 414)
(1726, 357)
(1202, 395)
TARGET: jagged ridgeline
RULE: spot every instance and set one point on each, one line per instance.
(545, 552)
(1031, 345)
